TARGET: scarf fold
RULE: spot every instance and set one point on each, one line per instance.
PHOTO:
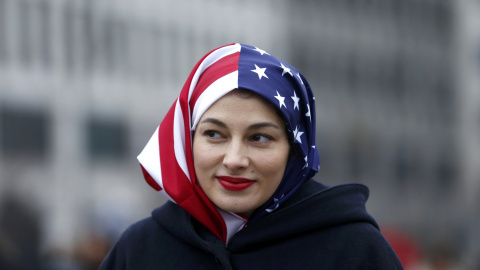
(167, 160)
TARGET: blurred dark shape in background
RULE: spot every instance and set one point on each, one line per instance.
(87, 254)
(20, 235)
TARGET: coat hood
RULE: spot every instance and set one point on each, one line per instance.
(314, 207)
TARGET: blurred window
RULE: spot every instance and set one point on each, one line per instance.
(68, 35)
(108, 43)
(88, 38)
(23, 132)
(3, 31)
(156, 53)
(401, 166)
(46, 33)
(445, 173)
(355, 155)
(24, 31)
(106, 139)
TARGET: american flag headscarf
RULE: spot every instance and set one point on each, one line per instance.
(167, 161)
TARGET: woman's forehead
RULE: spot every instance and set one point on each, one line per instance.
(237, 106)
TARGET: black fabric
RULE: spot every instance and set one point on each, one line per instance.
(320, 227)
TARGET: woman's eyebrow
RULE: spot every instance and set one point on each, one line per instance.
(214, 121)
(251, 127)
(262, 125)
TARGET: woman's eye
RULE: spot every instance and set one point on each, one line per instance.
(212, 134)
(260, 138)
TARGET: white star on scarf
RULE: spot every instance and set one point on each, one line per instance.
(306, 162)
(297, 133)
(286, 70)
(295, 100)
(275, 200)
(262, 52)
(281, 100)
(260, 72)
(308, 113)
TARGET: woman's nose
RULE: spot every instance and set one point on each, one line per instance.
(235, 157)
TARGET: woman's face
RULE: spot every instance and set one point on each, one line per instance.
(240, 151)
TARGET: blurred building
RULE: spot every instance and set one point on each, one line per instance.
(399, 95)
(83, 85)
(387, 109)
(468, 90)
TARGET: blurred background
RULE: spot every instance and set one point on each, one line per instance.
(84, 84)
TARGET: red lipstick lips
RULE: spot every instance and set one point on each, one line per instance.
(235, 183)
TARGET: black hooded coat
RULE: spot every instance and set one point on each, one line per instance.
(320, 227)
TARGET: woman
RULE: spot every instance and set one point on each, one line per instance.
(235, 156)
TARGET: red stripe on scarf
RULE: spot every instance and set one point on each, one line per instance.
(222, 67)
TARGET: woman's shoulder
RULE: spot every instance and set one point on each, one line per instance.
(153, 227)
(144, 244)
(140, 229)
(162, 240)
